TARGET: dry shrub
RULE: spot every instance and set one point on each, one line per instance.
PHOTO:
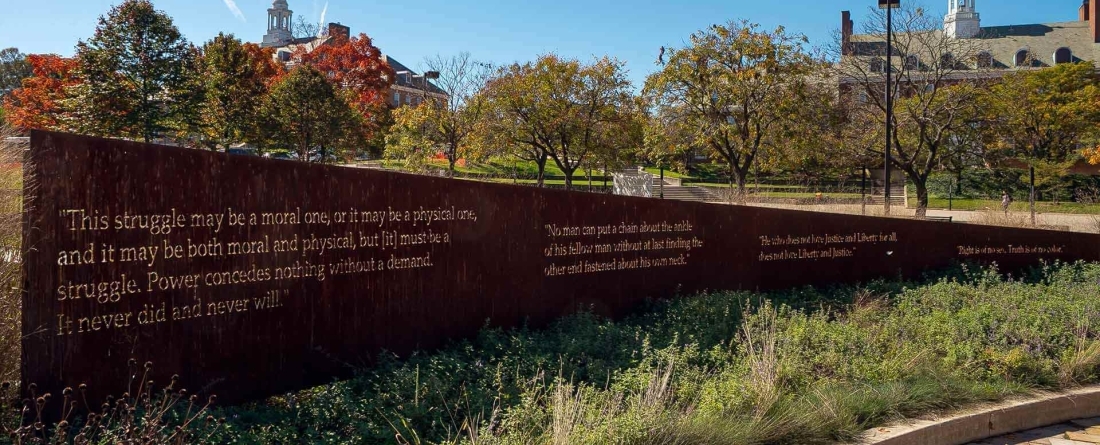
(999, 218)
(144, 415)
(1090, 195)
(760, 342)
(1080, 363)
(11, 194)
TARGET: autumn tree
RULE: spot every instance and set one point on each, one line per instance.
(624, 141)
(1043, 116)
(450, 109)
(359, 72)
(236, 76)
(133, 67)
(724, 89)
(808, 142)
(305, 114)
(305, 28)
(562, 109)
(930, 104)
(14, 67)
(38, 103)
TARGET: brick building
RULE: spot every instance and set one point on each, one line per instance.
(998, 49)
(409, 88)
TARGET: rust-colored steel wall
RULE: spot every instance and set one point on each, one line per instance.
(249, 276)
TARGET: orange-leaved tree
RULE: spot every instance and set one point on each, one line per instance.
(38, 104)
(359, 72)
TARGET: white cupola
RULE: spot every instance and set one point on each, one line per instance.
(278, 25)
(962, 20)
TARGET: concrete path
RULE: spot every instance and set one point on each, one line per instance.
(1057, 221)
(1077, 432)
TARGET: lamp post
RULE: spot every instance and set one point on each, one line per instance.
(889, 6)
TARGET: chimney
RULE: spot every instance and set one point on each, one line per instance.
(1083, 12)
(846, 26)
(337, 30)
(1092, 21)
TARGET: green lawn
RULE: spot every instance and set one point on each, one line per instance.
(579, 183)
(668, 173)
(750, 187)
(800, 195)
(1017, 206)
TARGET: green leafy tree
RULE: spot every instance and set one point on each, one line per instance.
(136, 70)
(303, 113)
(235, 77)
(726, 89)
(1042, 117)
(450, 110)
(14, 67)
(563, 109)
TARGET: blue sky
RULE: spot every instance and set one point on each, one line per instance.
(499, 31)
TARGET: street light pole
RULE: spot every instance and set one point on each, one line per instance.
(888, 5)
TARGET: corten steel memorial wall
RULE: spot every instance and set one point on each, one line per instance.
(248, 276)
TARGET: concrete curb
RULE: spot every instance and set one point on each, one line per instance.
(1044, 409)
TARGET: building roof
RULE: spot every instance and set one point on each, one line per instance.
(406, 80)
(1003, 42)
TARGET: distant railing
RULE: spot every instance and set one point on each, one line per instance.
(633, 182)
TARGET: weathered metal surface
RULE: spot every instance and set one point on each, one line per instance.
(114, 270)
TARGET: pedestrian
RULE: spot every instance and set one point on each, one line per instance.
(1005, 202)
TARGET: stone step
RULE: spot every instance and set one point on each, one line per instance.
(681, 193)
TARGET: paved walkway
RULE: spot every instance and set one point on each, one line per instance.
(1061, 221)
(1078, 432)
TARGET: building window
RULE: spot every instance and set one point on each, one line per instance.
(947, 61)
(1063, 55)
(912, 63)
(396, 98)
(985, 59)
(877, 65)
(1022, 59)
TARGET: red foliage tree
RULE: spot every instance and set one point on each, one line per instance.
(265, 65)
(356, 67)
(38, 103)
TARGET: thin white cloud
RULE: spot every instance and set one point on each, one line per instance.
(232, 5)
(320, 24)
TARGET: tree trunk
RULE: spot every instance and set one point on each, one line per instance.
(452, 158)
(662, 183)
(568, 178)
(605, 177)
(737, 179)
(922, 197)
(541, 163)
(1031, 195)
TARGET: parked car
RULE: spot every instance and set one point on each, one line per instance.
(281, 155)
(328, 158)
(242, 151)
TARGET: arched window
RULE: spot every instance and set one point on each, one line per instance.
(985, 59)
(878, 65)
(1063, 55)
(947, 61)
(912, 62)
(1022, 59)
